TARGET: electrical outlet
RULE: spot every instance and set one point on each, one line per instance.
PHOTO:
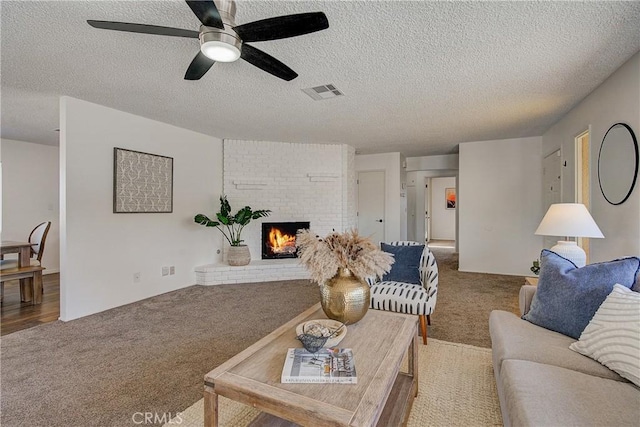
(165, 271)
(172, 269)
(136, 277)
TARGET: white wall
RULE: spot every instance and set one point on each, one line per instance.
(297, 182)
(615, 100)
(349, 188)
(500, 205)
(443, 220)
(425, 163)
(99, 250)
(394, 206)
(30, 195)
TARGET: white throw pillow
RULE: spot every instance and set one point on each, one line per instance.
(612, 337)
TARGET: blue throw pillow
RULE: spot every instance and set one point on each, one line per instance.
(406, 267)
(568, 296)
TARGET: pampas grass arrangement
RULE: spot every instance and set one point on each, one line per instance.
(323, 257)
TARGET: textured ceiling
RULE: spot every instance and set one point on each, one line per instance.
(418, 77)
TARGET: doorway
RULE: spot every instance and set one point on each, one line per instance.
(371, 205)
(412, 210)
(583, 179)
(427, 210)
(552, 185)
(440, 209)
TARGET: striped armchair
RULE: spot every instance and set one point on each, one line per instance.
(407, 297)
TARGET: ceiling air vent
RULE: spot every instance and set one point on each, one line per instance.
(323, 92)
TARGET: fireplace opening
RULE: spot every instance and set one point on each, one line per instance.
(279, 239)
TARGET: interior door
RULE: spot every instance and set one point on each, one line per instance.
(411, 213)
(552, 181)
(427, 210)
(583, 181)
(371, 191)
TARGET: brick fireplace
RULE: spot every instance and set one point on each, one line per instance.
(313, 182)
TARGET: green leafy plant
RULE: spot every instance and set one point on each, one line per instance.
(231, 225)
(535, 268)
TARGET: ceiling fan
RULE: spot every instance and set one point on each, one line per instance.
(222, 40)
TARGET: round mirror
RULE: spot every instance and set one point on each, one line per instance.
(618, 163)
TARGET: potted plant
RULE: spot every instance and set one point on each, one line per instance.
(231, 227)
(535, 268)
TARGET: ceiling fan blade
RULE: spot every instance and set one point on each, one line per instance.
(143, 29)
(207, 12)
(198, 67)
(282, 27)
(267, 63)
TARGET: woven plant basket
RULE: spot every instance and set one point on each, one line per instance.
(238, 255)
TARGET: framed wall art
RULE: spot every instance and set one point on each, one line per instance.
(450, 198)
(142, 182)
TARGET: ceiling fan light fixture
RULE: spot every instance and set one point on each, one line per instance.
(220, 51)
(219, 46)
(221, 40)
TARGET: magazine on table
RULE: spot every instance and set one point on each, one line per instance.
(327, 365)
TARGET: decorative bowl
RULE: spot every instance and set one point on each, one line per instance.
(330, 325)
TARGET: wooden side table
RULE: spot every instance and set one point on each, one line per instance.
(533, 281)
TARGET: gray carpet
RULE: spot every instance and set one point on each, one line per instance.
(466, 299)
(151, 356)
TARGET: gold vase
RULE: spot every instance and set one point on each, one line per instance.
(344, 297)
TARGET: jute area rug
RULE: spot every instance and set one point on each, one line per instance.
(456, 388)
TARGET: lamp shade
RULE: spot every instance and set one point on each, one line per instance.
(570, 220)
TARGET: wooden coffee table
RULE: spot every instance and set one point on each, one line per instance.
(383, 395)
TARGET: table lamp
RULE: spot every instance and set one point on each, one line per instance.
(570, 220)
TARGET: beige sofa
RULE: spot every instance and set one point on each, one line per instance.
(541, 382)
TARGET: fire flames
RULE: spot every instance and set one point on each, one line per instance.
(281, 243)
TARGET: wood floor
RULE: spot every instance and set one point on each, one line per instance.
(16, 315)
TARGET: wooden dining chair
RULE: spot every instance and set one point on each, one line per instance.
(38, 236)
